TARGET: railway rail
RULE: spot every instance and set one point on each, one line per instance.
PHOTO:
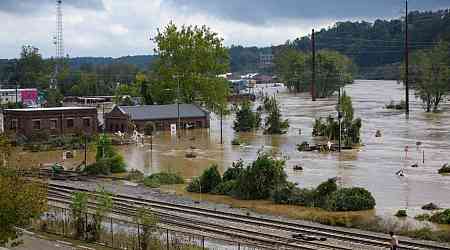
(362, 239)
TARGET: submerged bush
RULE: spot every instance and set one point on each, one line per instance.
(351, 199)
(260, 178)
(441, 217)
(234, 172)
(156, 180)
(225, 188)
(194, 186)
(401, 213)
(210, 179)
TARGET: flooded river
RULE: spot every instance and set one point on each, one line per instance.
(373, 166)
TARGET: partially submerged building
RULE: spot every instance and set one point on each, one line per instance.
(52, 121)
(162, 116)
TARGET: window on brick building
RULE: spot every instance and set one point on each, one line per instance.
(86, 122)
(70, 123)
(13, 124)
(36, 124)
(53, 124)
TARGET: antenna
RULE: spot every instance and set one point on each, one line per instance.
(58, 41)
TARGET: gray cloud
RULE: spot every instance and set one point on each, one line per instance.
(24, 7)
(260, 12)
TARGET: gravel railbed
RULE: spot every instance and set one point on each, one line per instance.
(142, 192)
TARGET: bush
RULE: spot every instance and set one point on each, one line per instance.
(117, 164)
(350, 199)
(225, 188)
(194, 186)
(107, 166)
(445, 169)
(100, 167)
(401, 213)
(259, 179)
(236, 142)
(163, 179)
(246, 119)
(210, 179)
(234, 172)
(423, 217)
(441, 217)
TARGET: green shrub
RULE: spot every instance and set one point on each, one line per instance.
(117, 164)
(444, 169)
(423, 217)
(259, 179)
(225, 188)
(350, 199)
(152, 183)
(194, 186)
(441, 217)
(164, 179)
(210, 179)
(401, 213)
(246, 119)
(234, 172)
(100, 167)
(236, 142)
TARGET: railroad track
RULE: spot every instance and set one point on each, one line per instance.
(249, 236)
(363, 239)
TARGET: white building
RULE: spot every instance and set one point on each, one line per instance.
(9, 95)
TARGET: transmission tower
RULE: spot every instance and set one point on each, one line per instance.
(58, 41)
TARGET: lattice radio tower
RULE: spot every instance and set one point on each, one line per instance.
(58, 41)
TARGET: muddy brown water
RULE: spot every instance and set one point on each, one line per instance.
(373, 166)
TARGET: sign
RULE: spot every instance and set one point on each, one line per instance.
(173, 129)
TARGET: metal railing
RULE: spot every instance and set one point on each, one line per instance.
(121, 234)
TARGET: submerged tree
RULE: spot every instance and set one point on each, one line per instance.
(246, 119)
(333, 70)
(431, 75)
(79, 208)
(274, 123)
(350, 127)
(104, 206)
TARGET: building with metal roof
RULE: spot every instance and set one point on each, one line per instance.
(128, 118)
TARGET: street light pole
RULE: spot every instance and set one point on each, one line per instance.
(339, 118)
(178, 105)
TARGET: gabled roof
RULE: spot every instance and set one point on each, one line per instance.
(160, 112)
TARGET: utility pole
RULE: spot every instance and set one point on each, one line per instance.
(221, 124)
(406, 62)
(339, 118)
(178, 106)
(313, 82)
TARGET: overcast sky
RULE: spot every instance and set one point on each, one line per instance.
(123, 27)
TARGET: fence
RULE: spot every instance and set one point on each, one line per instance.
(121, 234)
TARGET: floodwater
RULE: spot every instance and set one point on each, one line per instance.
(373, 166)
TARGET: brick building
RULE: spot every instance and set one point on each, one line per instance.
(162, 116)
(56, 121)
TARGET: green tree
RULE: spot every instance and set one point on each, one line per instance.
(79, 208)
(210, 179)
(193, 57)
(104, 204)
(32, 70)
(274, 124)
(333, 70)
(246, 119)
(260, 178)
(54, 98)
(20, 201)
(430, 72)
(147, 222)
(5, 150)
